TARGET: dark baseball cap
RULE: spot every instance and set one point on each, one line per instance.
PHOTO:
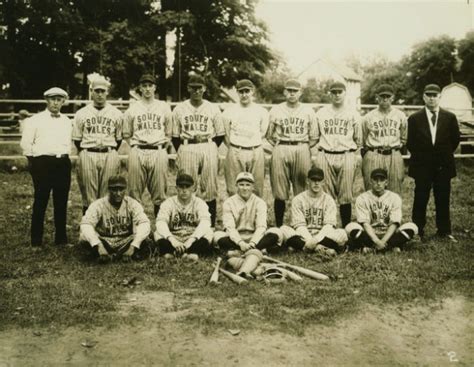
(337, 86)
(379, 173)
(385, 89)
(117, 181)
(432, 88)
(183, 179)
(316, 173)
(147, 78)
(292, 84)
(196, 81)
(244, 84)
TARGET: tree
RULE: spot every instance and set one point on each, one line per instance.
(431, 61)
(466, 54)
(316, 91)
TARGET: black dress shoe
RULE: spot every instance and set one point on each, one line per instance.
(448, 237)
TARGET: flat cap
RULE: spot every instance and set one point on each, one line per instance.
(244, 84)
(183, 179)
(379, 172)
(337, 86)
(147, 78)
(432, 88)
(55, 91)
(196, 81)
(316, 173)
(292, 84)
(385, 89)
(117, 181)
(100, 83)
(245, 176)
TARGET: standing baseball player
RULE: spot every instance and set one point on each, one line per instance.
(183, 225)
(384, 132)
(245, 124)
(339, 137)
(147, 125)
(291, 131)
(244, 216)
(46, 143)
(313, 219)
(97, 134)
(197, 132)
(379, 215)
(116, 226)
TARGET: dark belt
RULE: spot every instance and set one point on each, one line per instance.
(246, 148)
(336, 152)
(383, 151)
(53, 156)
(197, 140)
(287, 142)
(100, 150)
(149, 147)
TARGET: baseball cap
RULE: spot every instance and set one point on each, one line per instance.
(245, 176)
(55, 91)
(432, 88)
(379, 172)
(183, 179)
(385, 89)
(147, 78)
(244, 84)
(100, 83)
(292, 84)
(337, 86)
(196, 81)
(117, 181)
(316, 173)
(23, 113)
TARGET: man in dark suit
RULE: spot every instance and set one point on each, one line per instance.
(433, 136)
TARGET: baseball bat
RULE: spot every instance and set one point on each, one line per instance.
(215, 274)
(309, 273)
(234, 277)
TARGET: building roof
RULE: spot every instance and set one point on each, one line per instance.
(343, 70)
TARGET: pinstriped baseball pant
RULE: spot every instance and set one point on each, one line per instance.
(148, 168)
(393, 163)
(93, 173)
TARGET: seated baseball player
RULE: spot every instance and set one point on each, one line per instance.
(244, 216)
(313, 220)
(116, 225)
(379, 215)
(183, 224)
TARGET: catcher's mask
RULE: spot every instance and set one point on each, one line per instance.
(273, 275)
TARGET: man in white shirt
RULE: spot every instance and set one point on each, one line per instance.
(245, 125)
(46, 143)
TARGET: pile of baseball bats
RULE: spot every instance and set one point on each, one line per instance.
(286, 266)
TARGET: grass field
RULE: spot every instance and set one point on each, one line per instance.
(59, 287)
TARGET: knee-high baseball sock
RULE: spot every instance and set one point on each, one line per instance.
(156, 209)
(212, 209)
(84, 209)
(296, 242)
(279, 208)
(346, 212)
(269, 242)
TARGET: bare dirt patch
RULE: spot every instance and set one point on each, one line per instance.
(436, 334)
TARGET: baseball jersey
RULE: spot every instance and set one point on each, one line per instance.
(98, 128)
(313, 212)
(338, 130)
(245, 126)
(203, 121)
(113, 224)
(293, 124)
(147, 123)
(181, 220)
(46, 135)
(379, 212)
(384, 129)
(245, 220)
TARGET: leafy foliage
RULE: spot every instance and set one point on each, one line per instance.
(466, 55)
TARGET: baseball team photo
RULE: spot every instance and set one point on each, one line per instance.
(238, 183)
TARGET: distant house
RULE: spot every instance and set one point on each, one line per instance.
(324, 69)
(456, 98)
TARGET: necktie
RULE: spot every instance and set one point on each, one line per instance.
(433, 118)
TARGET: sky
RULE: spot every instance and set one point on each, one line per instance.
(305, 30)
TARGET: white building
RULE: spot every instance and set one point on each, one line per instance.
(324, 69)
